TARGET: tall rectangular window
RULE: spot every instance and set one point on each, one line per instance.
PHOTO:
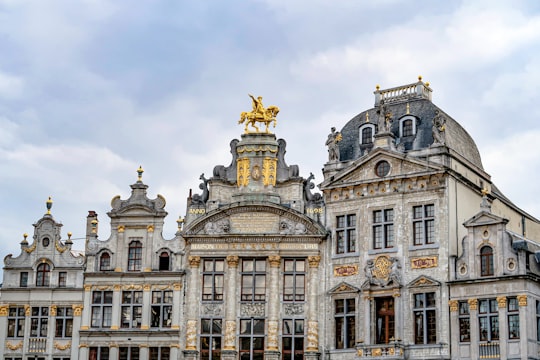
(160, 353)
(135, 256)
(213, 272)
(98, 353)
(346, 234)
(383, 229)
(294, 279)
(39, 321)
(23, 279)
(253, 280)
(62, 279)
(513, 318)
(464, 322)
(131, 309)
(16, 318)
(488, 320)
(128, 353)
(251, 339)
(425, 323)
(64, 322)
(293, 339)
(345, 320)
(211, 330)
(101, 309)
(161, 309)
(537, 320)
(424, 224)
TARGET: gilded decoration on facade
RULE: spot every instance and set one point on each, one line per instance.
(272, 335)
(232, 261)
(312, 336)
(274, 260)
(473, 304)
(242, 171)
(259, 114)
(177, 286)
(194, 261)
(27, 310)
(14, 346)
(314, 261)
(453, 305)
(383, 270)
(62, 347)
(230, 335)
(77, 310)
(501, 300)
(52, 310)
(150, 228)
(346, 270)
(424, 262)
(121, 228)
(191, 335)
(522, 300)
(31, 248)
(4, 309)
(59, 247)
(269, 171)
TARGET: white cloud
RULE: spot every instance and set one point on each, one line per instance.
(11, 87)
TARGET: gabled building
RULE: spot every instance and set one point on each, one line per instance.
(41, 299)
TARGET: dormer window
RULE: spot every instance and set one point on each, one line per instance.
(43, 274)
(135, 256)
(486, 261)
(164, 261)
(366, 134)
(407, 126)
(105, 262)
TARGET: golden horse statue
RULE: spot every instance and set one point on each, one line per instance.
(259, 114)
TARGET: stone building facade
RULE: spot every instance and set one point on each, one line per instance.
(409, 252)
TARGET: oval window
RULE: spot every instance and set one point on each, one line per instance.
(382, 168)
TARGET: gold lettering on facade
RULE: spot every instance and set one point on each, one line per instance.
(317, 210)
(242, 171)
(197, 211)
(346, 270)
(424, 262)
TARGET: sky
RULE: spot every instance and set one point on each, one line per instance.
(92, 89)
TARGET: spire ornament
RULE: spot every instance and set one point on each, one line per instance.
(140, 171)
(258, 114)
(49, 206)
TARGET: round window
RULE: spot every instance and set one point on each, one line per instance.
(45, 242)
(382, 168)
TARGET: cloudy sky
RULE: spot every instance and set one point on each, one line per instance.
(90, 90)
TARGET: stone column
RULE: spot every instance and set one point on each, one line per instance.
(121, 253)
(524, 324)
(144, 352)
(368, 322)
(87, 301)
(229, 346)
(4, 311)
(177, 306)
(147, 303)
(454, 326)
(83, 352)
(149, 256)
(113, 351)
(191, 353)
(175, 351)
(473, 313)
(77, 317)
(272, 343)
(503, 326)
(398, 315)
(116, 307)
(312, 348)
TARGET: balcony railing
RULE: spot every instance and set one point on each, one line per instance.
(37, 345)
(386, 351)
(489, 350)
(418, 90)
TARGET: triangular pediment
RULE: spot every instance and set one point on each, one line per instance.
(484, 218)
(262, 219)
(422, 281)
(364, 169)
(342, 288)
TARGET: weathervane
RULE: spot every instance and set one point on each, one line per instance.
(259, 114)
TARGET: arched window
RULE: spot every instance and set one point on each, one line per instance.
(486, 261)
(105, 262)
(135, 256)
(164, 261)
(43, 274)
(407, 126)
(366, 134)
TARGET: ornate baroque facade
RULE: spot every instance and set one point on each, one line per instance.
(409, 252)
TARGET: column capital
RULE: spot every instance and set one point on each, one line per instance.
(453, 305)
(274, 260)
(194, 261)
(177, 286)
(473, 304)
(52, 310)
(77, 309)
(501, 300)
(4, 309)
(232, 261)
(314, 261)
(87, 287)
(522, 300)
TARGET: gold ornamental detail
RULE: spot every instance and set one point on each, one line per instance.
(501, 300)
(194, 261)
(242, 171)
(4, 310)
(259, 114)
(230, 335)
(52, 310)
(31, 248)
(61, 347)
(269, 171)
(382, 267)
(232, 261)
(453, 305)
(272, 336)
(346, 270)
(522, 300)
(14, 346)
(313, 336)
(77, 310)
(424, 262)
(191, 335)
(274, 260)
(473, 304)
(314, 261)
(59, 247)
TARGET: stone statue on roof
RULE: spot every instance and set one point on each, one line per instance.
(259, 114)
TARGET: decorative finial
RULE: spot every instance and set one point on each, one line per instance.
(25, 235)
(180, 222)
(485, 192)
(377, 87)
(140, 172)
(427, 84)
(49, 205)
(24, 242)
(68, 241)
(367, 117)
(408, 109)
(419, 77)
(94, 226)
